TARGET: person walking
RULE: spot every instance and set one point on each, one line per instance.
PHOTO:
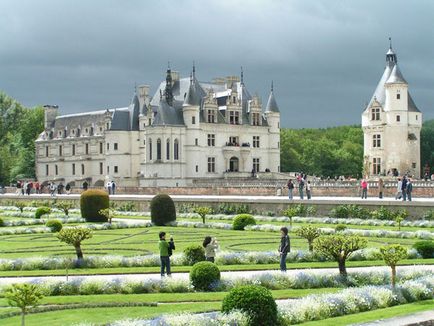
(290, 189)
(409, 189)
(308, 190)
(60, 188)
(364, 186)
(85, 186)
(37, 188)
(404, 188)
(399, 190)
(301, 187)
(380, 188)
(284, 248)
(68, 188)
(163, 246)
(109, 187)
(53, 189)
(210, 245)
(113, 186)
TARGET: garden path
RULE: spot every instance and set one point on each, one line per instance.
(412, 319)
(234, 274)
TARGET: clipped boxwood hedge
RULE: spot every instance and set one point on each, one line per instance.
(256, 301)
(204, 276)
(425, 248)
(162, 210)
(91, 202)
(42, 211)
(242, 220)
(194, 254)
(54, 225)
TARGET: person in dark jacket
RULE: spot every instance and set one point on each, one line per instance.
(409, 189)
(404, 188)
(284, 247)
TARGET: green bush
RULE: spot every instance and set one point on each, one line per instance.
(205, 276)
(254, 300)
(54, 225)
(128, 206)
(350, 211)
(91, 202)
(425, 248)
(383, 214)
(42, 211)
(2, 223)
(340, 227)
(194, 254)
(162, 210)
(242, 220)
(428, 215)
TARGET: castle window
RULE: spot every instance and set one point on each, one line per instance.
(256, 164)
(46, 151)
(255, 119)
(398, 118)
(82, 169)
(87, 130)
(115, 145)
(211, 116)
(234, 117)
(233, 141)
(46, 169)
(398, 96)
(60, 150)
(193, 120)
(149, 121)
(87, 149)
(108, 146)
(413, 165)
(211, 140)
(256, 142)
(101, 148)
(211, 164)
(73, 168)
(376, 140)
(101, 169)
(168, 149)
(116, 169)
(56, 169)
(376, 165)
(197, 168)
(176, 150)
(73, 149)
(158, 149)
(375, 114)
(416, 117)
(150, 149)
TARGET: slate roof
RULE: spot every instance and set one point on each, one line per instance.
(272, 104)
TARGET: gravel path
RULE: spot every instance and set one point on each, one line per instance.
(413, 319)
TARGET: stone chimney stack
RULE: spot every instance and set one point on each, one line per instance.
(50, 114)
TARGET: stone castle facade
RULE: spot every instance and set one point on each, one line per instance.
(391, 125)
(188, 130)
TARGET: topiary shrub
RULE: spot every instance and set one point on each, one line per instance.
(254, 300)
(242, 220)
(425, 248)
(54, 225)
(42, 211)
(340, 227)
(162, 210)
(204, 276)
(91, 202)
(2, 223)
(194, 254)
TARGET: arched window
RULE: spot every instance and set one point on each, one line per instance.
(176, 150)
(168, 149)
(233, 164)
(150, 149)
(158, 149)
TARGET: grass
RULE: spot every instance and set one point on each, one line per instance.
(223, 268)
(368, 316)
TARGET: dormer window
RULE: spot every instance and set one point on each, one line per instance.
(398, 118)
(398, 96)
(375, 114)
(211, 116)
(256, 119)
(234, 117)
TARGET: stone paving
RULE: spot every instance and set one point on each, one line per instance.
(420, 318)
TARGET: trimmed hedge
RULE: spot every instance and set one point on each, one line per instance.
(242, 220)
(54, 225)
(256, 301)
(42, 211)
(162, 210)
(204, 276)
(2, 223)
(91, 202)
(194, 254)
(425, 248)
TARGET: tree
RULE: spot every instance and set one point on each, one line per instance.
(400, 216)
(290, 212)
(392, 254)
(310, 233)
(64, 206)
(339, 247)
(108, 213)
(203, 211)
(74, 236)
(23, 296)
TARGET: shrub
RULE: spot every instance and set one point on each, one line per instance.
(428, 215)
(254, 300)
(242, 209)
(128, 206)
(54, 225)
(194, 254)
(392, 254)
(20, 205)
(23, 296)
(204, 276)
(91, 202)
(382, 214)
(162, 209)
(340, 227)
(74, 236)
(64, 206)
(347, 211)
(42, 211)
(2, 223)
(425, 248)
(242, 220)
(310, 233)
(203, 211)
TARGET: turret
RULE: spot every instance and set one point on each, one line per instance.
(192, 102)
(272, 112)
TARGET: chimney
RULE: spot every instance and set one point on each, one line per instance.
(50, 114)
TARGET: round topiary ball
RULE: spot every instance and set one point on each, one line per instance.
(254, 300)
(242, 220)
(194, 254)
(91, 202)
(204, 276)
(162, 210)
(43, 210)
(54, 225)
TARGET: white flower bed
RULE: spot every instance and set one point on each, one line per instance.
(64, 220)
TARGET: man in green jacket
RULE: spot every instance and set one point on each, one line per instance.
(165, 251)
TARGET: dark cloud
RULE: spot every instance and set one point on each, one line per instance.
(324, 56)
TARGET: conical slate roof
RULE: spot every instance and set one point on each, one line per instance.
(272, 104)
(195, 94)
(396, 77)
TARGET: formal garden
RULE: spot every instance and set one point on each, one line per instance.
(98, 264)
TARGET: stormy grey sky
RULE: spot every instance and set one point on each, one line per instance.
(324, 56)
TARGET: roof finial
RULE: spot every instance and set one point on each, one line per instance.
(191, 78)
(194, 70)
(135, 88)
(242, 76)
(168, 65)
(272, 86)
(390, 42)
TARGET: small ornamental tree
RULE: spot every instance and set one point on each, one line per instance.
(392, 254)
(203, 211)
(108, 213)
(23, 296)
(310, 233)
(399, 217)
(20, 205)
(74, 236)
(339, 247)
(290, 212)
(65, 206)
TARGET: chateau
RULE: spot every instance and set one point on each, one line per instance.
(189, 130)
(391, 125)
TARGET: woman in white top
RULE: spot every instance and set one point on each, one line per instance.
(210, 245)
